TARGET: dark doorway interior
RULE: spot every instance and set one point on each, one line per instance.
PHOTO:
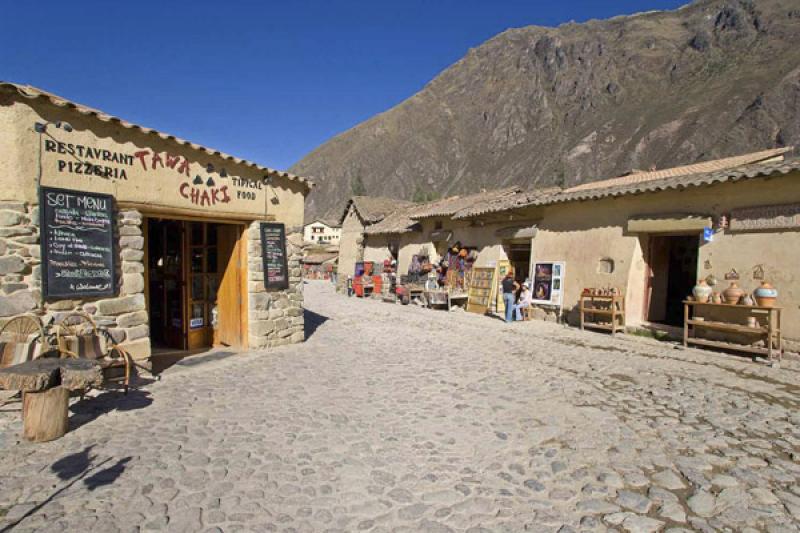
(167, 282)
(673, 273)
(519, 254)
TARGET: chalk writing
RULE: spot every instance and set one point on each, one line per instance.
(77, 244)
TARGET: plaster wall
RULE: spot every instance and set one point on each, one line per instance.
(583, 233)
(350, 245)
(159, 174)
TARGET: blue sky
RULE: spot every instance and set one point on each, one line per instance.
(263, 80)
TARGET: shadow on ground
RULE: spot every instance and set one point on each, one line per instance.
(88, 409)
(312, 321)
(79, 466)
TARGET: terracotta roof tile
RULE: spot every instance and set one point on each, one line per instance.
(703, 167)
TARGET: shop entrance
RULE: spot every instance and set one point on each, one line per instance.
(193, 278)
(672, 273)
(519, 254)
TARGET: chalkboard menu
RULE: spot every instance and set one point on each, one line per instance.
(77, 239)
(273, 250)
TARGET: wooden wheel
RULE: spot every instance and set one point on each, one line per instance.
(20, 329)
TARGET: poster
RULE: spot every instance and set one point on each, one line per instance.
(77, 244)
(548, 282)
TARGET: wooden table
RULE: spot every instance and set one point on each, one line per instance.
(770, 332)
(444, 297)
(45, 384)
(612, 306)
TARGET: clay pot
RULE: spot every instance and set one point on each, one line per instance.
(732, 294)
(716, 297)
(747, 300)
(766, 294)
(701, 291)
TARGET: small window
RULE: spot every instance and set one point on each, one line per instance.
(605, 266)
(438, 225)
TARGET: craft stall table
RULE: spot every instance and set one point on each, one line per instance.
(445, 297)
(611, 306)
(769, 329)
(45, 384)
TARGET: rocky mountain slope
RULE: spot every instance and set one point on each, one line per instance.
(542, 106)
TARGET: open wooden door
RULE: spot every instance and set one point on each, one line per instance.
(229, 297)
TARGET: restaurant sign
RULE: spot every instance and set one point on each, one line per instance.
(786, 216)
(273, 249)
(77, 244)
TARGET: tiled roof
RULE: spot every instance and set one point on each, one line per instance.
(675, 183)
(703, 167)
(320, 258)
(397, 222)
(504, 203)
(32, 93)
(373, 209)
(450, 206)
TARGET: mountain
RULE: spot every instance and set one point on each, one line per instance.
(540, 106)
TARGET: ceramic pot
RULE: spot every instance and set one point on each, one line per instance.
(716, 297)
(701, 291)
(766, 294)
(747, 300)
(732, 294)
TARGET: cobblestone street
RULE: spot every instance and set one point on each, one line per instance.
(393, 418)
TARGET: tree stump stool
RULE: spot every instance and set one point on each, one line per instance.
(45, 384)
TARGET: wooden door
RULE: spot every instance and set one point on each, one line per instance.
(202, 281)
(229, 296)
(173, 284)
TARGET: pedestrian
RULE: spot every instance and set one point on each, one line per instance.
(510, 287)
(349, 285)
(524, 300)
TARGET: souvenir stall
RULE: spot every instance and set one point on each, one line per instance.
(452, 277)
(734, 318)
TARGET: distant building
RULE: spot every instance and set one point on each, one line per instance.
(322, 232)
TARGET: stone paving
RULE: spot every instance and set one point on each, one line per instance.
(393, 418)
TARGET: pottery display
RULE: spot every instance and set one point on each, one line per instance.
(716, 297)
(766, 294)
(752, 322)
(747, 300)
(732, 294)
(701, 291)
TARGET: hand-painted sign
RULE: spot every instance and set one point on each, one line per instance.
(768, 217)
(273, 252)
(77, 244)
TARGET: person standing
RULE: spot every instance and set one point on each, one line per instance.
(510, 287)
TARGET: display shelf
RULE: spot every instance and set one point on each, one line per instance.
(770, 333)
(612, 306)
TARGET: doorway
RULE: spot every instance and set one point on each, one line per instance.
(672, 273)
(519, 254)
(194, 282)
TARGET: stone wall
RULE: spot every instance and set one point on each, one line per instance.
(20, 271)
(275, 318)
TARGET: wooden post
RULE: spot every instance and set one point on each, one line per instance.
(44, 414)
(685, 324)
(583, 299)
(613, 316)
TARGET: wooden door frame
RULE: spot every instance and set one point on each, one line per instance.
(242, 264)
(648, 271)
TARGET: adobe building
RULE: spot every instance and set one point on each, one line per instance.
(652, 235)
(359, 213)
(157, 238)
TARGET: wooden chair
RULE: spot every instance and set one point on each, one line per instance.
(22, 339)
(77, 335)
